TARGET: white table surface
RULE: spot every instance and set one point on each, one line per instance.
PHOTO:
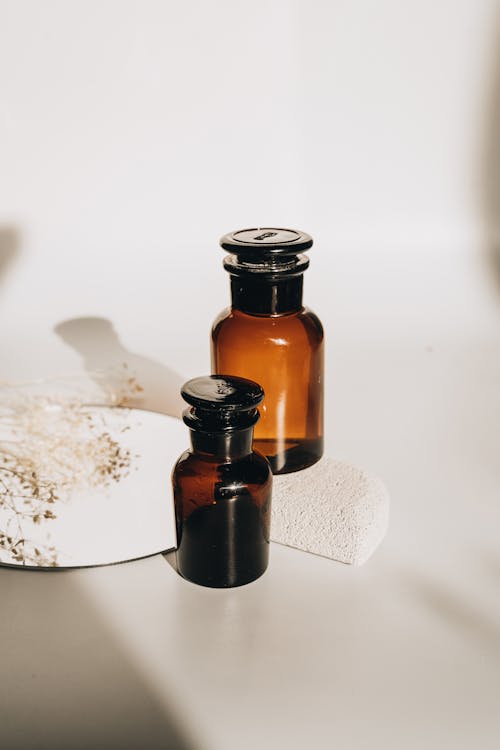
(403, 652)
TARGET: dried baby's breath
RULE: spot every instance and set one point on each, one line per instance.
(50, 445)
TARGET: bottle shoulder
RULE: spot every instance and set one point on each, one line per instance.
(221, 317)
(232, 321)
(312, 322)
(182, 464)
(253, 467)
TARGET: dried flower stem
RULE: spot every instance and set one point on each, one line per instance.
(51, 445)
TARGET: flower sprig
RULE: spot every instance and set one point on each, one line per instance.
(51, 444)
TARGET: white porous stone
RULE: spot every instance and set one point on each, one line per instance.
(331, 509)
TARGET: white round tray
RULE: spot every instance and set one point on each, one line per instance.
(102, 496)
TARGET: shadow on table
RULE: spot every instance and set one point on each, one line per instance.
(66, 683)
(102, 351)
(456, 612)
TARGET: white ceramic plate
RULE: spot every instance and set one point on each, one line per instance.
(91, 492)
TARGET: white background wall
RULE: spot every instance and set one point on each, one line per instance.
(134, 133)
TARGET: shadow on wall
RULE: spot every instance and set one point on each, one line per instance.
(9, 247)
(97, 341)
(491, 168)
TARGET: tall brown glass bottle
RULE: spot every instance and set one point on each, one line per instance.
(268, 336)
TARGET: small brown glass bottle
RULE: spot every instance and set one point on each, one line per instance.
(268, 336)
(222, 488)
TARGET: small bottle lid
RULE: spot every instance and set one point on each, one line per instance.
(266, 241)
(266, 250)
(221, 403)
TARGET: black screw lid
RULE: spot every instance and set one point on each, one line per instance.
(221, 403)
(266, 251)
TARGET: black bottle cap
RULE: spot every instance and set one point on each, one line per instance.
(266, 241)
(221, 403)
(270, 252)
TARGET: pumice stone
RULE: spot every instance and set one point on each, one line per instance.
(331, 509)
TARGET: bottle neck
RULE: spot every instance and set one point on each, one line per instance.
(260, 296)
(225, 446)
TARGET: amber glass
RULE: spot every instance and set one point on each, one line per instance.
(222, 494)
(283, 351)
(223, 516)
